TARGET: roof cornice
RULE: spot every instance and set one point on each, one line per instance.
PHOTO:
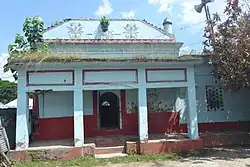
(112, 41)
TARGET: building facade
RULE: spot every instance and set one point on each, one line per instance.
(127, 81)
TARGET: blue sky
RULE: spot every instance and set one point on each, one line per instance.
(13, 13)
(187, 24)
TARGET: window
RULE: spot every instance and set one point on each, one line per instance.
(161, 99)
(131, 101)
(214, 98)
(158, 100)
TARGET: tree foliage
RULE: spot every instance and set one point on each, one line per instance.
(230, 46)
(32, 29)
(8, 91)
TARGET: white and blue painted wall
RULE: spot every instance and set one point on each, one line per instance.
(235, 106)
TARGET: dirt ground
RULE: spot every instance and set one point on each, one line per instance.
(219, 157)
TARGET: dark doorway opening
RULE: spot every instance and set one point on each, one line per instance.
(109, 111)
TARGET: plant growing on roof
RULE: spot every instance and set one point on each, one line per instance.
(104, 24)
(33, 31)
(33, 35)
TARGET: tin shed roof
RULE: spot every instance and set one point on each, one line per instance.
(13, 104)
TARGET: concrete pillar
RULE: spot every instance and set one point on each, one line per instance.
(78, 110)
(22, 117)
(142, 105)
(78, 118)
(193, 131)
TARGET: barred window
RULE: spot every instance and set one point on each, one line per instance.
(214, 98)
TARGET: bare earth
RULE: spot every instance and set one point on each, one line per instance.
(220, 157)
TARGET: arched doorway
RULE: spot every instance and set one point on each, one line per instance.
(109, 111)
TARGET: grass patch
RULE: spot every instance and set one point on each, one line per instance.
(89, 161)
(38, 57)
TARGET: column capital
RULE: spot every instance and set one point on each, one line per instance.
(78, 79)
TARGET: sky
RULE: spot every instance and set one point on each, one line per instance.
(187, 24)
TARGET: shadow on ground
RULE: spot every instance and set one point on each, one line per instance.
(222, 153)
(158, 164)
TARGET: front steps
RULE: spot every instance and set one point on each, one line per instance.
(109, 152)
(111, 155)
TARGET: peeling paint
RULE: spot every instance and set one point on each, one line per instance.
(76, 140)
(21, 145)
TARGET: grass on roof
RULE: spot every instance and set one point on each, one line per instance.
(39, 57)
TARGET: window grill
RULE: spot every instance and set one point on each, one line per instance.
(214, 98)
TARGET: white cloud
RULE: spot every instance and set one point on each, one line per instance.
(190, 16)
(186, 12)
(128, 15)
(165, 5)
(3, 61)
(104, 9)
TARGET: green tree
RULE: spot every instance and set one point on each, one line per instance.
(33, 33)
(230, 46)
(8, 91)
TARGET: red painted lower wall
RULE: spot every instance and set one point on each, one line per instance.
(56, 128)
(63, 128)
(158, 123)
(224, 126)
(164, 122)
(130, 124)
(168, 122)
